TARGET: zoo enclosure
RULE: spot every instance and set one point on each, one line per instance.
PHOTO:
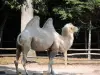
(69, 54)
(79, 45)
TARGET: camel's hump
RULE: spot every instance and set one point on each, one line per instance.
(49, 24)
(34, 22)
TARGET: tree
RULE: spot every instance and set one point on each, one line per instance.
(5, 15)
(26, 16)
(26, 12)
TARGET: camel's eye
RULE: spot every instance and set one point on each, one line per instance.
(71, 28)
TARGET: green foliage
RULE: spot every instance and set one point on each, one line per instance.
(77, 11)
(40, 6)
(61, 12)
(72, 9)
(13, 4)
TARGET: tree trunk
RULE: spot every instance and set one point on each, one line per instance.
(1, 29)
(26, 16)
(26, 13)
(89, 41)
(98, 39)
(85, 40)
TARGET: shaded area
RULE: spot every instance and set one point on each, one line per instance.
(11, 72)
(35, 69)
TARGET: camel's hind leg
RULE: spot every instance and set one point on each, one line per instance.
(18, 52)
(52, 54)
(24, 58)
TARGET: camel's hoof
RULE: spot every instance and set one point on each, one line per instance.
(16, 63)
(26, 73)
(53, 73)
(46, 73)
(19, 73)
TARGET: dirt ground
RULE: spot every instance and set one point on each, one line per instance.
(45, 60)
(59, 69)
(41, 65)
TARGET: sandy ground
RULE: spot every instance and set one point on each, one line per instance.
(41, 65)
(60, 69)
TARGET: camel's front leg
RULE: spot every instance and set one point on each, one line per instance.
(51, 56)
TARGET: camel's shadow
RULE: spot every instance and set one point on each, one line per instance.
(11, 71)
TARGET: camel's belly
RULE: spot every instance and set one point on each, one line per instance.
(41, 45)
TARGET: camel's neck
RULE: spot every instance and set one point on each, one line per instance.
(69, 37)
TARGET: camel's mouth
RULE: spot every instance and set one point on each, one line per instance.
(76, 29)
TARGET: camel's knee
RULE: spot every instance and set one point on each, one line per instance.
(16, 63)
(24, 64)
(23, 61)
(24, 58)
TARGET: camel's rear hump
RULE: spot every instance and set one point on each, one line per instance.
(48, 25)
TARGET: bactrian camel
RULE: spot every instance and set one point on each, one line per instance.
(41, 39)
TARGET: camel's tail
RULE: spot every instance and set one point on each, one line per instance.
(18, 46)
(18, 40)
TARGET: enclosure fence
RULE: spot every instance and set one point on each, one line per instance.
(88, 52)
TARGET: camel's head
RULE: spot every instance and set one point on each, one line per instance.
(69, 28)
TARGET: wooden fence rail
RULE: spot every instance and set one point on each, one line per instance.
(84, 49)
(69, 49)
(67, 54)
(83, 54)
(7, 48)
(86, 53)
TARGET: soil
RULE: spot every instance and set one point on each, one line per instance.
(41, 65)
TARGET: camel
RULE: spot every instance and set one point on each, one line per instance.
(41, 39)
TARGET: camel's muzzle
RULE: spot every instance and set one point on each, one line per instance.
(76, 29)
